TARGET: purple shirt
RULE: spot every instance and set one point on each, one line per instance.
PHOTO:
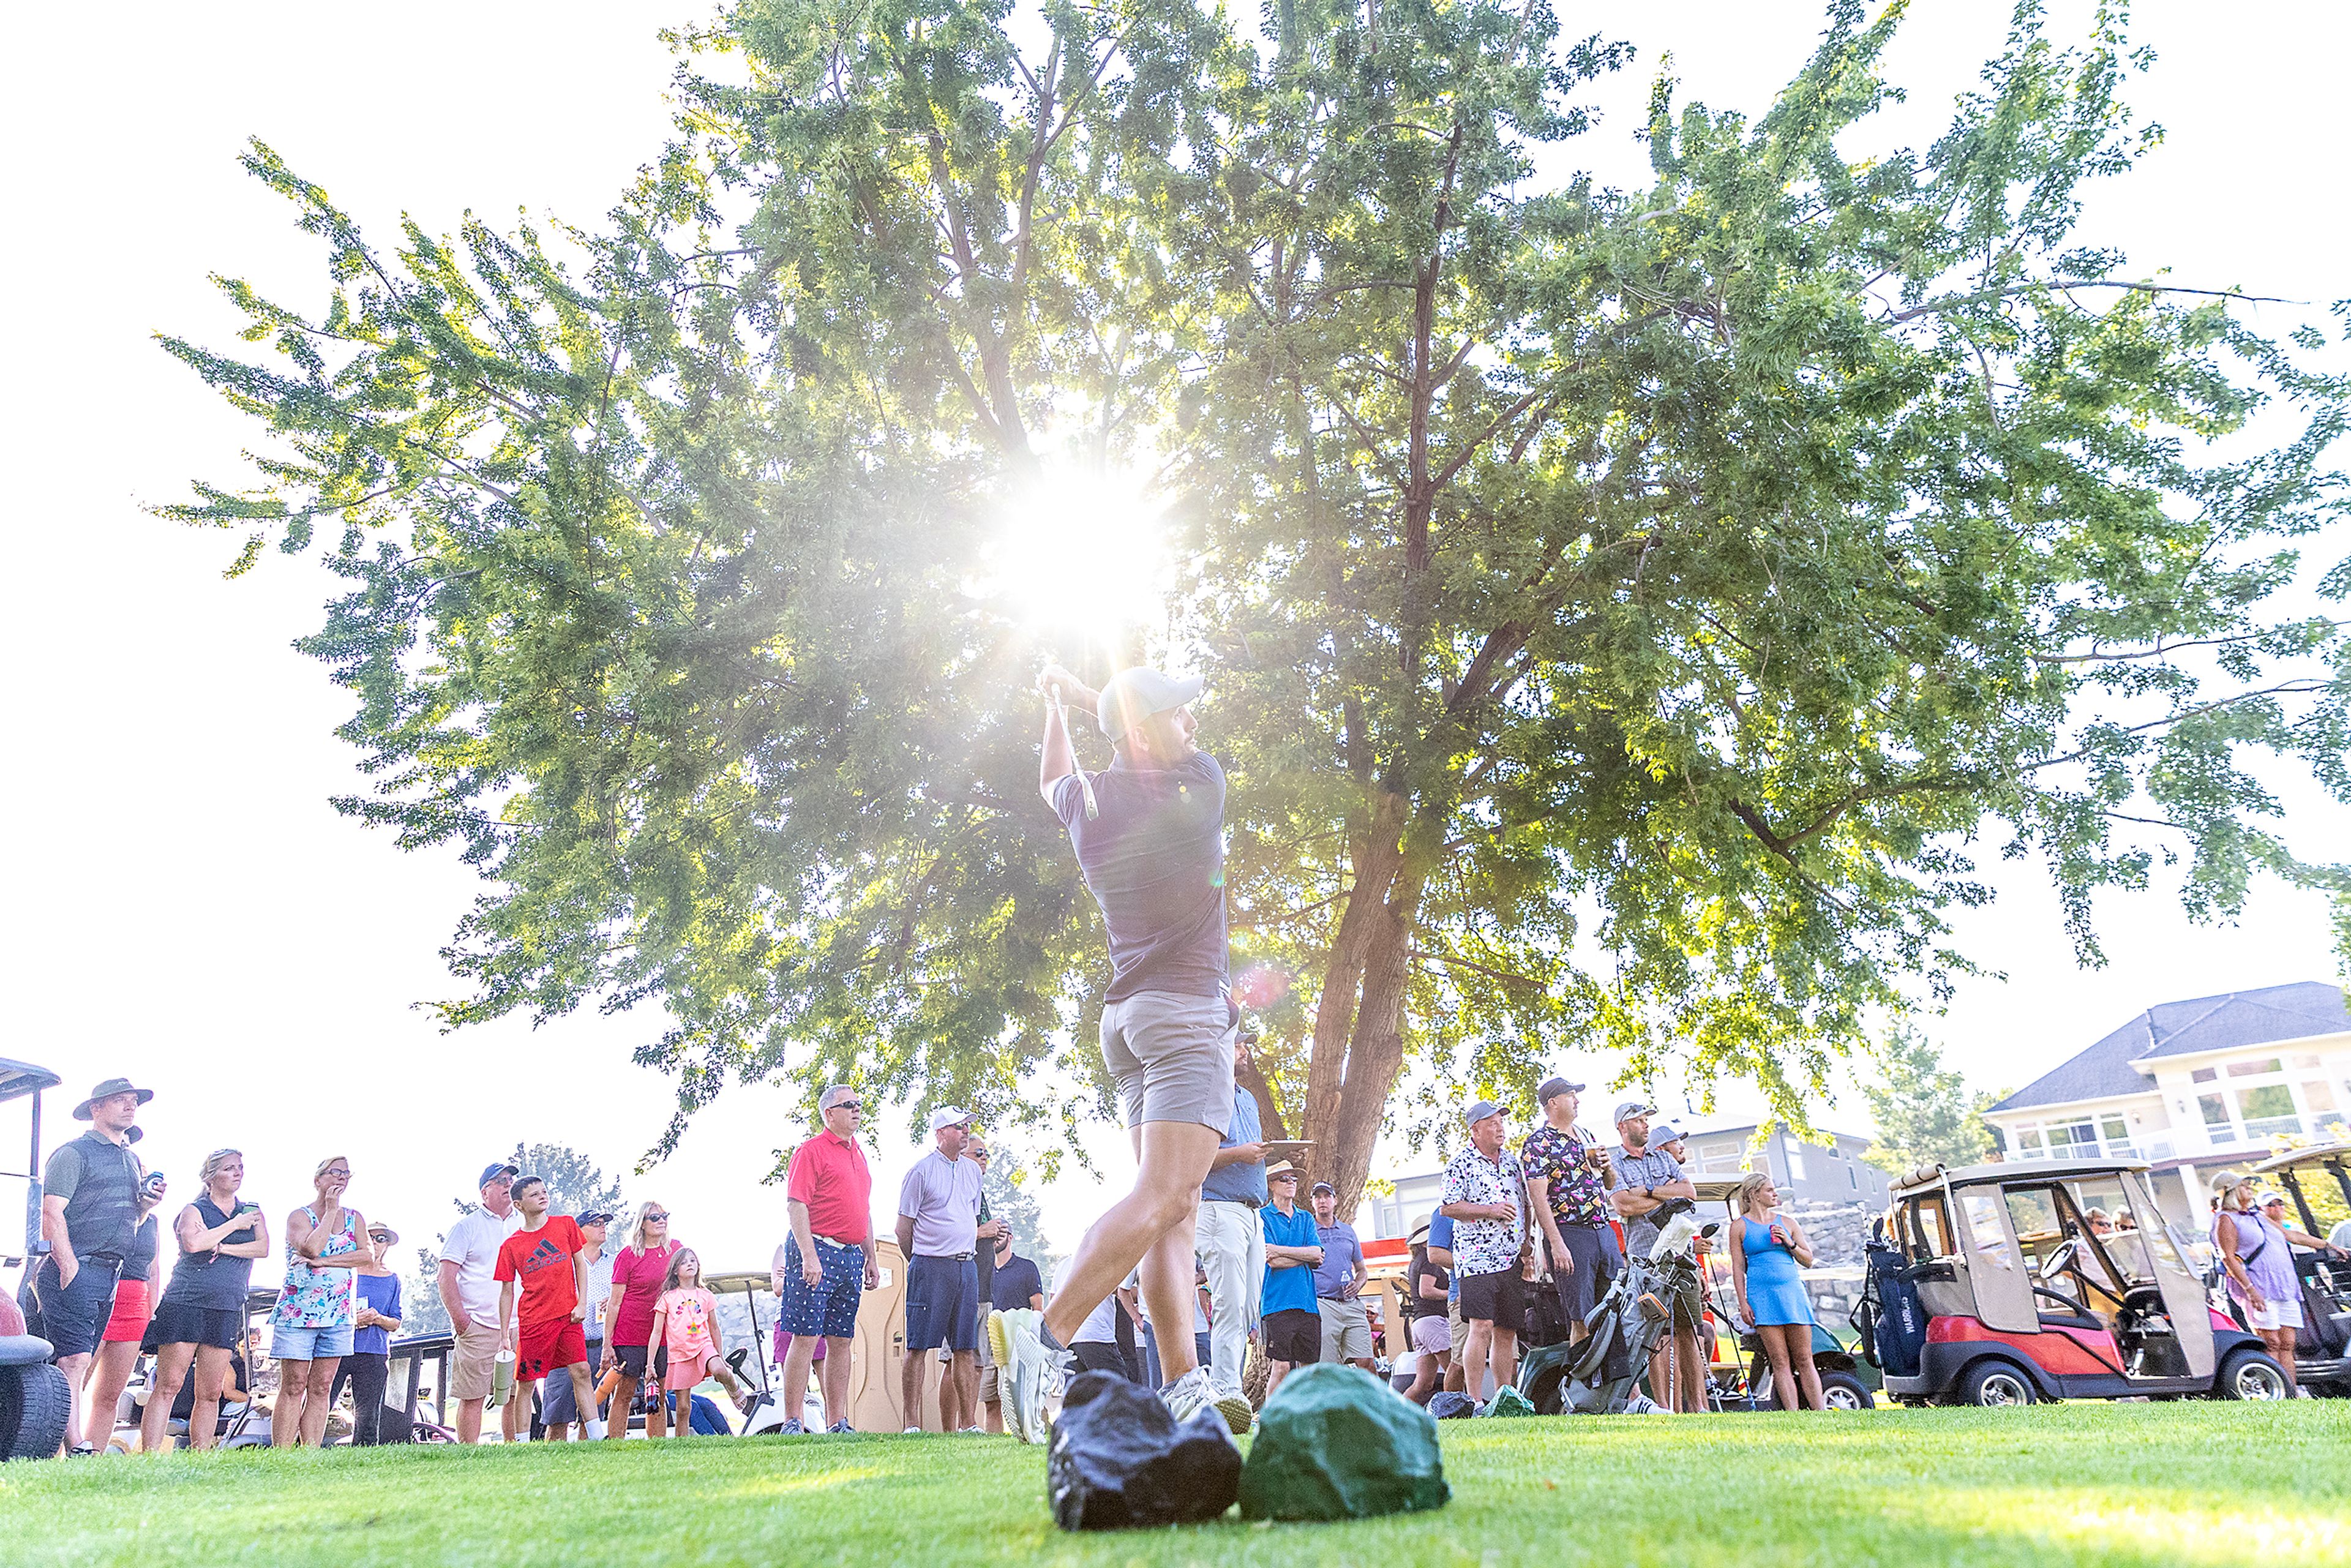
(1154, 861)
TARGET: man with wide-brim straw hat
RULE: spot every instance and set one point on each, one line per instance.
(1293, 1251)
(1148, 832)
(89, 1217)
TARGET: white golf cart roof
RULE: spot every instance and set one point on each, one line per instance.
(2014, 1171)
(2310, 1156)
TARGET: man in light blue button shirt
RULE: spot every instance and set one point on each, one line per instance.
(1231, 1237)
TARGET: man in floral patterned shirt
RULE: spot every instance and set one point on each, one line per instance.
(1567, 1188)
(1485, 1192)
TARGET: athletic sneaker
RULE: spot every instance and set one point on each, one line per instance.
(1030, 1372)
(791, 1429)
(1238, 1413)
(839, 1428)
(1191, 1394)
(911, 1431)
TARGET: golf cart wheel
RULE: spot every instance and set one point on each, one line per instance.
(2251, 1376)
(1996, 1383)
(33, 1404)
(1844, 1391)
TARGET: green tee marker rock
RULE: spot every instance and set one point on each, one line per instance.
(1333, 1442)
(1508, 1402)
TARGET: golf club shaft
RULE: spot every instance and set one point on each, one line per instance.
(1085, 785)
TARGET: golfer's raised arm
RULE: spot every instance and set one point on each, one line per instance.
(1057, 760)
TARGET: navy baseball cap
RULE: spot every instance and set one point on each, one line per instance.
(1552, 1088)
(492, 1172)
(1133, 695)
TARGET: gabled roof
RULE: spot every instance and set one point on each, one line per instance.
(2105, 1069)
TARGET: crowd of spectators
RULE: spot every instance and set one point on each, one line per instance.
(541, 1303)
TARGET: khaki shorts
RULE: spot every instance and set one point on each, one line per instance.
(475, 1362)
(1346, 1330)
(1171, 1057)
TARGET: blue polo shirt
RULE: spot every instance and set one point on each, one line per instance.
(1154, 861)
(1440, 1234)
(1238, 1183)
(1288, 1290)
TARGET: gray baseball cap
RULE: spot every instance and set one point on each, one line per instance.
(1479, 1112)
(1133, 695)
(1552, 1088)
(1668, 1134)
(1632, 1108)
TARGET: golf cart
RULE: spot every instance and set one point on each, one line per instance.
(2024, 1303)
(35, 1399)
(2322, 1351)
(766, 1414)
(1738, 1373)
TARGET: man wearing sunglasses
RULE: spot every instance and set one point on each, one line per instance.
(829, 1259)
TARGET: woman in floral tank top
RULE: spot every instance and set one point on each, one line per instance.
(311, 1331)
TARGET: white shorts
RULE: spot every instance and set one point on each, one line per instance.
(2276, 1315)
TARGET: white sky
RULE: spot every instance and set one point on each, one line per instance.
(184, 906)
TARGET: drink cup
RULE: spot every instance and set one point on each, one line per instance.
(502, 1374)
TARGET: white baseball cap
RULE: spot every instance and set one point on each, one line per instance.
(949, 1117)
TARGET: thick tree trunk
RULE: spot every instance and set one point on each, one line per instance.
(1357, 1048)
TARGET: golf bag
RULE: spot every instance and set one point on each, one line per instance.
(1890, 1318)
(1603, 1377)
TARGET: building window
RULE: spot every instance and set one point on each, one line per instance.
(2217, 1126)
(2260, 1069)
(2204, 1075)
(2305, 1063)
(2117, 1132)
(2267, 1111)
(2028, 1144)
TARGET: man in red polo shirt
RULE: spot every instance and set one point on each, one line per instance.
(829, 1260)
(548, 1257)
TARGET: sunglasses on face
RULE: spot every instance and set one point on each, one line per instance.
(849, 1105)
(656, 1219)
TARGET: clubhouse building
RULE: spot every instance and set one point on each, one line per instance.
(2193, 1087)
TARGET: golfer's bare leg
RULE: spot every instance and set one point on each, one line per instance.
(1174, 1159)
(796, 1362)
(1168, 1272)
(583, 1396)
(966, 1381)
(1477, 1345)
(834, 1378)
(910, 1387)
(469, 1420)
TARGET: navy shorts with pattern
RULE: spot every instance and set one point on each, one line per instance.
(830, 1309)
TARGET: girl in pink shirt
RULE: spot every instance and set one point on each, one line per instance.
(685, 1319)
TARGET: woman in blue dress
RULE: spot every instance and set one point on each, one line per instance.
(1765, 1253)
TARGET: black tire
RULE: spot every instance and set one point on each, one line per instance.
(33, 1404)
(1839, 1391)
(1844, 1391)
(2251, 1374)
(1996, 1383)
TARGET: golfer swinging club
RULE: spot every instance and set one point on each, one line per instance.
(1153, 850)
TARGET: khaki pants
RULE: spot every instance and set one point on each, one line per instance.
(1230, 1242)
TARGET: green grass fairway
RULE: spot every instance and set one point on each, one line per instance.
(2152, 1484)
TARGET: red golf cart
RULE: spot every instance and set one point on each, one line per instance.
(2024, 1302)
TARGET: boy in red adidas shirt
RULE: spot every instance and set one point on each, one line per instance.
(548, 1257)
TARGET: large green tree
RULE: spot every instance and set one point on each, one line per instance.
(1925, 1112)
(1629, 612)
